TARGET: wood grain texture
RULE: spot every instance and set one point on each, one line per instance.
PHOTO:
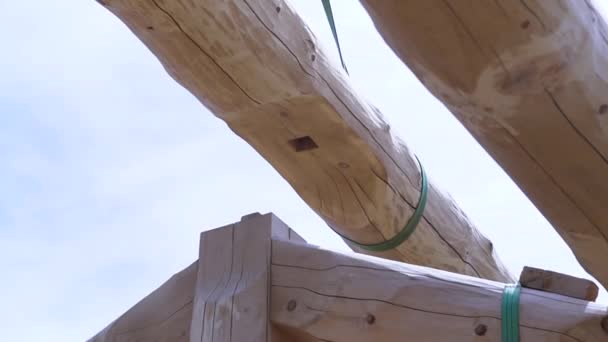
(529, 80)
(255, 272)
(236, 265)
(257, 67)
(163, 316)
(349, 297)
(232, 290)
(563, 284)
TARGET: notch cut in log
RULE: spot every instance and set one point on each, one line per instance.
(256, 66)
(255, 285)
(563, 284)
(529, 80)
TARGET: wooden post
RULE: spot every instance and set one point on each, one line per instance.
(339, 297)
(231, 302)
(255, 65)
(562, 284)
(529, 80)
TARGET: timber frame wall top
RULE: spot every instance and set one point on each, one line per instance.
(257, 280)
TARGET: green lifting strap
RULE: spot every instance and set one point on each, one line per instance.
(332, 25)
(510, 313)
(409, 228)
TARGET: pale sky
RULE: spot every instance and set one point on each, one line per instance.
(109, 169)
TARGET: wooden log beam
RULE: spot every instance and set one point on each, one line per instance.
(347, 297)
(256, 66)
(226, 290)
(163, 316)
(529, 80)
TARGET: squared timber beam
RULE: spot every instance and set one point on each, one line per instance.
(559, 283)
(257, 280)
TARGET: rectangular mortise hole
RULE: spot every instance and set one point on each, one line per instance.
(303, 144)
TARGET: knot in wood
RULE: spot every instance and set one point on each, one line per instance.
(481, 330)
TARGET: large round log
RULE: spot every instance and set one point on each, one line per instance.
(256, 66)
(529, 80)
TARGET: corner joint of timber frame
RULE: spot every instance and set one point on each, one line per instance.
(232, 293)
(257, 280)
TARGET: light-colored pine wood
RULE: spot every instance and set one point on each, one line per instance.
(256, 66)
(559, 283)
(529, 80)
(163, 316)
(166, 314)
(232, 289)
(232, 286)
(349, 297)
(319, 295)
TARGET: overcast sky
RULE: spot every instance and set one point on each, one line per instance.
(109, 169)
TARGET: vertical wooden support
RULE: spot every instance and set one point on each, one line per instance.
(250, 284)
(232, 299)
(528, 79)
(324, 295)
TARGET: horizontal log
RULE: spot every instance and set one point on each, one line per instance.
(347, 297)
(529, 80)
(256, 66)
(232, 287)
